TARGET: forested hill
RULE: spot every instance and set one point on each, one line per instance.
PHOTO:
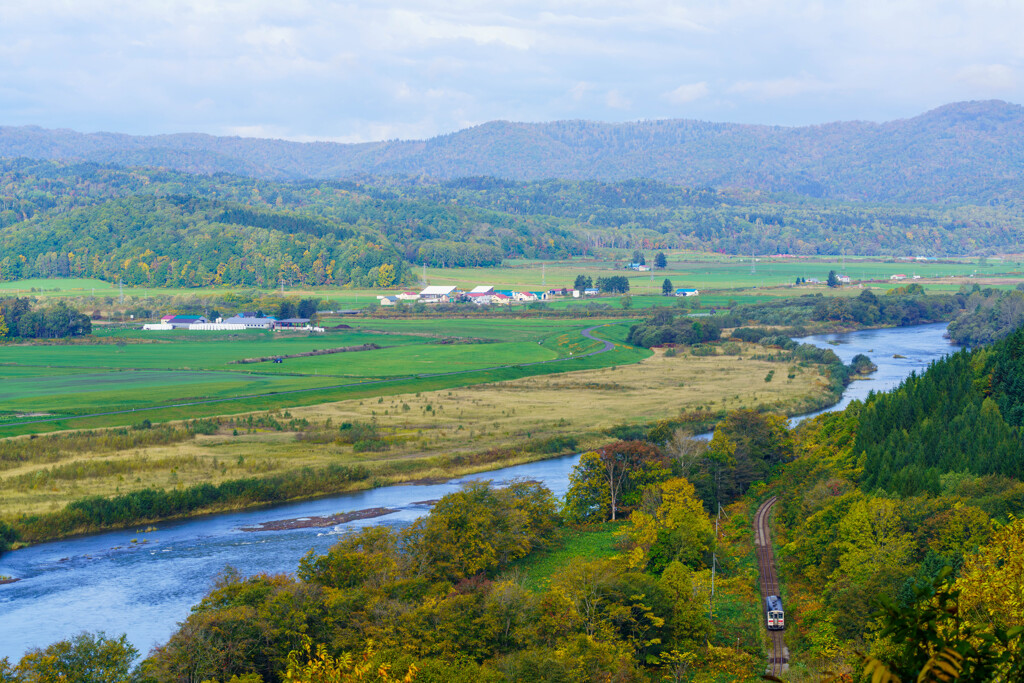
(159, 227)
(968, 152)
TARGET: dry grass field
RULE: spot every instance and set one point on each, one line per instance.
(430, 434)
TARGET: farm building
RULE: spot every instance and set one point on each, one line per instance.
(388, 300)
(687, 292)
(182, 321)
(252, 322)
(481, 298)
(407, 296)
(293, 322)
(437, 294)
(482, 289)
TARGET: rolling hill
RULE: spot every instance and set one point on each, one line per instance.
(962, 153)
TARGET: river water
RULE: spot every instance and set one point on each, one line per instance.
(105, 582)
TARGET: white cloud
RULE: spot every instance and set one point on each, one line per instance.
(995, 77)
(616, 100)
(689, 92)
(778, 87)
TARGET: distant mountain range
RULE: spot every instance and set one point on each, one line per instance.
(963, 153)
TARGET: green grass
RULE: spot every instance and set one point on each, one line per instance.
(597, 542)
(74, 380)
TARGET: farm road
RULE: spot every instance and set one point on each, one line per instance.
(779, 661)
(587, 332)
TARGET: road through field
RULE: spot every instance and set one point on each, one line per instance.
(778, 662)
(587, 332)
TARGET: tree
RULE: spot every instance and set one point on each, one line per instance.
(385, 275)
(624, 464)
(660, 261)
(626, 301)
(666, 287)
(833, 279)
(638, 257)
(3, 327)
(85, 658)
(582, 282)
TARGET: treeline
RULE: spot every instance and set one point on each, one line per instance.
(651, 214)
(901, 306)
(98, 512)
(55, 321)
(990, 315)
(964, 415)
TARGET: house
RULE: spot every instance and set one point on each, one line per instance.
(525, 297)
(564, 291)
(898, 276)
(437, 294)
(252, 322)
(591, 291)
(501, 299)
(687, 292)
(407, 296)
(481, 298)
(844, 279)
(387, 300)
(638, 266)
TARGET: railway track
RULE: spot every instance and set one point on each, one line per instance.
(778, 662)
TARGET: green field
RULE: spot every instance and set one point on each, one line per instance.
(135, 370)
(715, 272)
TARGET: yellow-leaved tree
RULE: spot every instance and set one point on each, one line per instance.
(678, 530)
(991, 584)
(385, 275)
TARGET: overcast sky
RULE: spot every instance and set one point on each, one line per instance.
(380, 69)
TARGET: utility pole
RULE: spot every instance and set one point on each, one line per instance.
(120, 287)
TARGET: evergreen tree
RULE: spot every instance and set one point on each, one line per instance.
(660, 261)
(833, 279)
(666, 287)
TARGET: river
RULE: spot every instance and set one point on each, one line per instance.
(107, 582)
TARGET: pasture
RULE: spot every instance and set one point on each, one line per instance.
(140, 371)
(437, 433)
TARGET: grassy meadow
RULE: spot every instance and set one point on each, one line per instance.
(140, 371)
(429, 433)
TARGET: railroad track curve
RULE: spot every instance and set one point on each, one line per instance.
(778, 662)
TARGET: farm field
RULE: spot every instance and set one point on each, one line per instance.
(430, 433)
(716, 272)
(140, 371)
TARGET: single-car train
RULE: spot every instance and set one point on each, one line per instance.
(774, 615)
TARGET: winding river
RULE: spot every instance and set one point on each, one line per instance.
(143, 583)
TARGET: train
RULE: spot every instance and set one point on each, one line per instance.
(774, 614)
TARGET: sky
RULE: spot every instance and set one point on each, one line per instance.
(366, 70)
